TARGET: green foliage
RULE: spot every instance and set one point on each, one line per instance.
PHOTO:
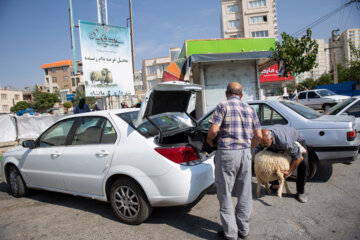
(80, 93)
(44, 101)
(325, 79)
(22, 105)
(67, 104)
(298, 54)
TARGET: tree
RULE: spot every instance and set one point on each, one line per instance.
(22, 105)
(80, 93)
(67, 105)
(44, 100)
(298, 55)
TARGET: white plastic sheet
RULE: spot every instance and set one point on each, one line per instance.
(7, 128)
(33, 126)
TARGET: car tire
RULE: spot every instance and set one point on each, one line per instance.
(326, 107)
(313, 165)
(129, 202)
(17, 184)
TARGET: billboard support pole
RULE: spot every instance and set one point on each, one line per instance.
(72, 37)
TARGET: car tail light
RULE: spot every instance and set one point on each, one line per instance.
(181, 155)
(351, 135)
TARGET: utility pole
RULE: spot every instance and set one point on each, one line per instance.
(132, 37)
(335, 39)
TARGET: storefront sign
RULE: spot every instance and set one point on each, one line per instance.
(271, 74)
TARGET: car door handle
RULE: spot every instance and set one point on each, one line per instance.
(55, 154)
(102, 153)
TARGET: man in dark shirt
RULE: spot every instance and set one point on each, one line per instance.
(279, 138)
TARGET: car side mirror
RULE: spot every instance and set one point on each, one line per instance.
(28, 144)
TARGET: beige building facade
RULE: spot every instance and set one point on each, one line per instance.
(8, 99)
(248, 19)
(60, 76)
(153, 69)
(340, 49)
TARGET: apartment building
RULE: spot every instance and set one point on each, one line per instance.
(153, 69)
(322, 62)
(8, 99)
(248, 19)
(60, 75)
(340, 49)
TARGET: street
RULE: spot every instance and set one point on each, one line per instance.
(332, 212)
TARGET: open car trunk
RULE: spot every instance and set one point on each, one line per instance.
(196, 140)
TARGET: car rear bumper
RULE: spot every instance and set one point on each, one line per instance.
(182, 185)
(336, 154)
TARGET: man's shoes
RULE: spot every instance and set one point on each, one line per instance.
(221, 235)
(301, 197)
(242, 236)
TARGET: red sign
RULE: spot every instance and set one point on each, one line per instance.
(271, 74)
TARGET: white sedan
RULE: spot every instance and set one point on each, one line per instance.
(134, 161)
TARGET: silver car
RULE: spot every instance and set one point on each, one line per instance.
(319, 99)
(330, 139)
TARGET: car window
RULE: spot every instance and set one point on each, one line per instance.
(267, 115)
(93, 130)
(339, 107)
(57, 134)
(313, 95)
(354, 110)
(204, 124)
(304, 111)
(325, 93)
(302, 95)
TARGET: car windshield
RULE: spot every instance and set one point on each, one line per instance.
(167, 122)
(339, 107)
(325, 93)
(304, 111)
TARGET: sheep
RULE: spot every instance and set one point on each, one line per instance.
(268, 166)
(107, 75)
(96, 76)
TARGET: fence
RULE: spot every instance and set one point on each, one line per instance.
(14, 128)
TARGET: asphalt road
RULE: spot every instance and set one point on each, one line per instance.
(332, 212)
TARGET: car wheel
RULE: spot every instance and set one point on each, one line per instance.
(313, 165)
(326, 107)
(129, 202)
(17, 184)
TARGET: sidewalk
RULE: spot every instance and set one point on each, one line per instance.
(5, 146)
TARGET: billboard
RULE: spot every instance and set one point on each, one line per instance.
(106, 57)
(271, 74)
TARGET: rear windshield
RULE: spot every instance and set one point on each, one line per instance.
(338, 107)
(304, 111)
(167, 122)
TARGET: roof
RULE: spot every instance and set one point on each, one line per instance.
(58, 64)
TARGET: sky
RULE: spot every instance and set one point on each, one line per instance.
(35, 32)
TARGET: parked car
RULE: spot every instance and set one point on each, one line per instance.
(330, 139)
(350, 107)
(319, 99)
(162, 160)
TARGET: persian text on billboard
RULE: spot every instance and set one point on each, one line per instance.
(106, 57)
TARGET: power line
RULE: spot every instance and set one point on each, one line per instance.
(327, 16)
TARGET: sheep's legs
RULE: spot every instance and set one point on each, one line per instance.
(287, 187)
(281, 176)
(268, 191)
(258, 187)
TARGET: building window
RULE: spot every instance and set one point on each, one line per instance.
(54, 80)
(235, 36)
(260, 34)
(257, 3)
(258, 19)
(73, 82)
(233, 8)
(234, 23)
(64, 68)
(4, 107)
(151, 70)
(53, 70)
(3, 96)
(16, 97)
(47, 80)
(66, 79)
(46, 71)
(162, 68)
(77, 81)
(66, 86)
